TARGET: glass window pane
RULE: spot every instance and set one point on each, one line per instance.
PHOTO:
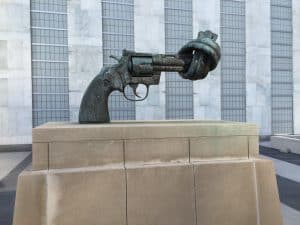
(118, 34)
(281, 66)
(178, 30)
(49, 47)
(233, 66)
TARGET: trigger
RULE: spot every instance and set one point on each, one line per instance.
(115, 58)
(134, 88)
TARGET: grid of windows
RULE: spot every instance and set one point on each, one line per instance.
(49, 47)
(178, 30)
(233, 65)
(118, 34)
(282, 66)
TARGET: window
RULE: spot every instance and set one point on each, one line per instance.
(178, 30)
(49, 47)
(118, 34)
(233, 65)
(282, 66)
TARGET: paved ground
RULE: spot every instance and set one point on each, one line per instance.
(287, 167)
(8, 181)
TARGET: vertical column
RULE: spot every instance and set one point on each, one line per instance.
(149, 35)
(282, 66)
(85, 48)
(207, 92)
(15, 73)
(296, 64)
(258, 64)
(178, 30)
(118, 34)
(233, 62)
(50, 57)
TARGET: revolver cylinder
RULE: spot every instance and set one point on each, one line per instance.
(141, 66)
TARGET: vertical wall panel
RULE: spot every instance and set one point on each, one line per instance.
(178, 30)
(207, 92)
(282, 66)
(49, 50)
(258, 64)
(118, 34)
(150, 39)
(296, 65)
(85, 49)
(233, 66)
(15, 73)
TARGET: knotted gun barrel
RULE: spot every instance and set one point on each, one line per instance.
(193, 61)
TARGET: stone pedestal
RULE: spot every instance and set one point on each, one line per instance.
(147, 173)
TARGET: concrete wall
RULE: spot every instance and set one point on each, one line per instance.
(258, 64)
(85, 43)
(15, 73)
(296, 64)
(149, 36)
(207, 92)
(85, 48)
(85, 61)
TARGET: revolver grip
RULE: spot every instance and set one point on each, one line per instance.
(94, 104)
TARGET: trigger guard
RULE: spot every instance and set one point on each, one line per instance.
(136, 100)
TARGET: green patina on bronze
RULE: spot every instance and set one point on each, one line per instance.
(193, 61)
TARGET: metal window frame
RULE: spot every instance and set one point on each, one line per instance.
(45, 107)
(179, 92)
(119, 107)
(282, 113)
(233, 62)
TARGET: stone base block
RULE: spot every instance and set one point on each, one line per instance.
(88, 196)
(216, 192)
(71, 145)
(160, 195)
(147, 173)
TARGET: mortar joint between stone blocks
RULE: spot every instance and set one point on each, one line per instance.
(195, 194)
(256, 192)
(248, 147)
(48, 161)
(123, 145)
(189, 147)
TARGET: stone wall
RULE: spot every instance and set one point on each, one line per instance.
(207, 92)
(86, 60)
(85, 48)
(85, 44)
(258, 64)
(149, 36)
(15, 73)
(296, 64)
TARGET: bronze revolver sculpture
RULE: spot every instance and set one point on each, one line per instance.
(193, 61)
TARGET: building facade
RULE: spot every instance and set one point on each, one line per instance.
(51, 49)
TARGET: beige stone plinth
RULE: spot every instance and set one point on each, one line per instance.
(67, 145)
(151, 173)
